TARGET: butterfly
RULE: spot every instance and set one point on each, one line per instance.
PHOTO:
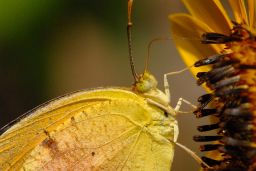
(99, 129)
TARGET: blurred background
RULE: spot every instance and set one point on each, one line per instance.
(50, 48)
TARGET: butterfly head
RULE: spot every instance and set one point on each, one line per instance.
(145, 83)
(146, 86)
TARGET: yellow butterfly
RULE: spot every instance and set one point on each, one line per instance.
(100, 129)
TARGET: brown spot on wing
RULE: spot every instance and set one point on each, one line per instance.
(50, 144)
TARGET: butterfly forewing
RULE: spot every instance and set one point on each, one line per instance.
(104, 129)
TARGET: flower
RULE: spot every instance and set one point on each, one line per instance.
(225, 60)
(206, 16)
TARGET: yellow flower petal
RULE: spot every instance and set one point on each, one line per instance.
(251, 9)
(210, 12)
(239, 11)
(186, 31)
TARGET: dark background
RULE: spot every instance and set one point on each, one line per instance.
(49, 48)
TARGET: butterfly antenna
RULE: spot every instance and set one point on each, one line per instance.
(165, 39)
(129, 36)
(175, 36)
(149, 48)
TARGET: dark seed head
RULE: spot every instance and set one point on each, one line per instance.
(200, 138)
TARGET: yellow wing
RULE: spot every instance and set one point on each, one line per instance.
(103, 129)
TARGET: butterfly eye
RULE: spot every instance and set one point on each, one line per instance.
(145, 83)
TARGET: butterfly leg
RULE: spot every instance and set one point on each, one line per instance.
(166, 84)
(165, 108)
(179, 103)
(193, 154)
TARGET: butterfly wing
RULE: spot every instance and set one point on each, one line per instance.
(102, 129)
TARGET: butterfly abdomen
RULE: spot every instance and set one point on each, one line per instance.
(232, 80)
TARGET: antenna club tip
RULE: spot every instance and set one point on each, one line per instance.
(129, 23)
(130, 1)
